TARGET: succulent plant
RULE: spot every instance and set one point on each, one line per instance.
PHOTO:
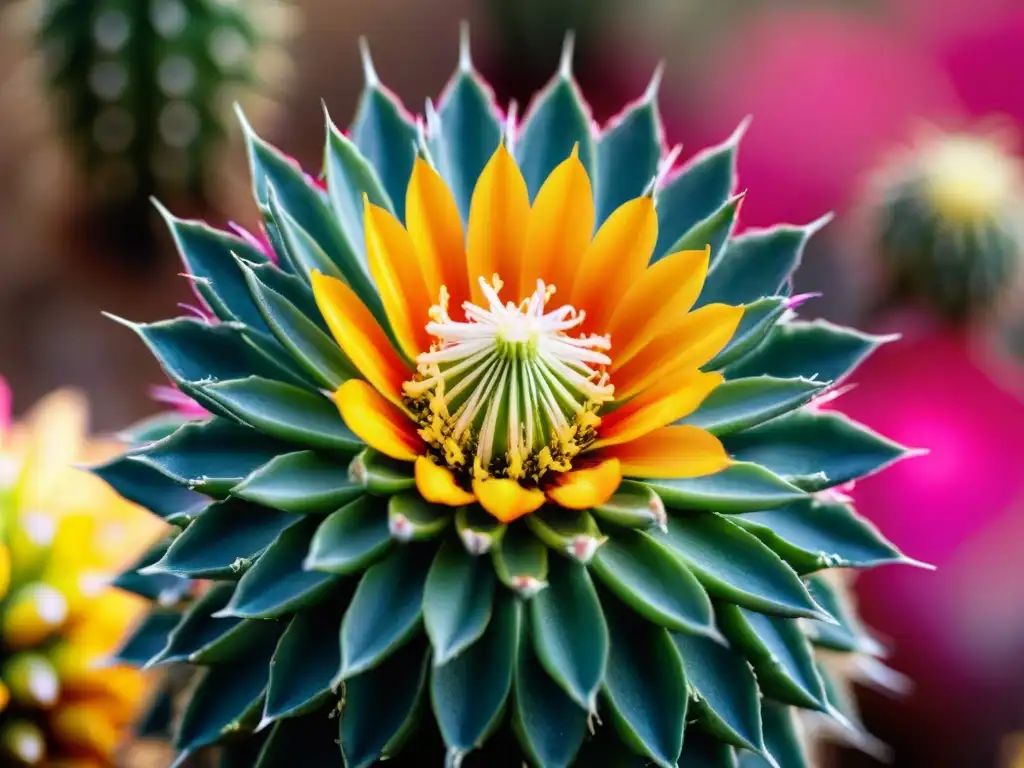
(142, 91)
(440, 527)
(948, 223)
(63, 535)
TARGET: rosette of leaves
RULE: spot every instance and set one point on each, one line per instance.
(948, 224)
(555, 595)
(142, 91)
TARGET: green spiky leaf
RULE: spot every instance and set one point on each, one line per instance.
(759, 318)
(216, 546)
(469, 132)
(654, 582)
(303, 482)
(570, 635)
(305, 662)
(210, 456)
(349, 177)
(147, 638)
(757, 264)
(741, 487)
(277, 584)
(223, 700)
(780, 654)
(385, 610)
(469, 691)
(558, 121)
(816, 350)
(286, 412)
(726, 700)
(411, 518)
(813, 534)
(734, 565)
(550, 725)
(457, 600)
(645, 686)
(695, 192)
(151, 489)
(385, 136)
(312, 349)
(379, 704)
(521, 561)
(628, 153)
(351, 538)
(713, 230)
(740, 404)
(815, 450)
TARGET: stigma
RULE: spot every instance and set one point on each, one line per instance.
(510, 391)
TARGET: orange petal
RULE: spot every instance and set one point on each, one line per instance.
(395, 266)
(677, 451)
(559, 231)
(664, 293)
(359, 336)
(692, 342)
(435, 227)
(655, 408)
(5, 697)
(506, 500)
(621, 249)
(498, 214)
(586, 488)
(377, 422)
(437, 484)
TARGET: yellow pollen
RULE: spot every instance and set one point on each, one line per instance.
(509, 391)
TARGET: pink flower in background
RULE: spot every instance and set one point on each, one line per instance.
(830, 94)
(929, 392)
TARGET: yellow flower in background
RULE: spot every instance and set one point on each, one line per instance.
(63, 535)
(533, 359)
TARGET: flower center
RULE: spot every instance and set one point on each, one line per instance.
(509, 393)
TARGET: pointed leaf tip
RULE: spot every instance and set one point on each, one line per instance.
(565, 62)
(465, 54)
(654, 86)
(819, 224)
(737, 135)
(369, 71)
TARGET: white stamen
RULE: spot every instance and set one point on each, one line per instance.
(511, 377)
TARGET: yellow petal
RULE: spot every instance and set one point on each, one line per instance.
(437, 484)
(56, 428)
(498, 214)
(559, 231)
(434, 224)
(359, 336)
(506, 500)
(586, 488)
(677, 451)
(377, 422)
(395, 266)
(620, 252)
(85, 725)
(5, 697)
(33, 613)
(689, 344)
(655, 408)
(664, 292)
(5, 570)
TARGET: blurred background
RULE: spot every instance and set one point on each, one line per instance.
(902, 116)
